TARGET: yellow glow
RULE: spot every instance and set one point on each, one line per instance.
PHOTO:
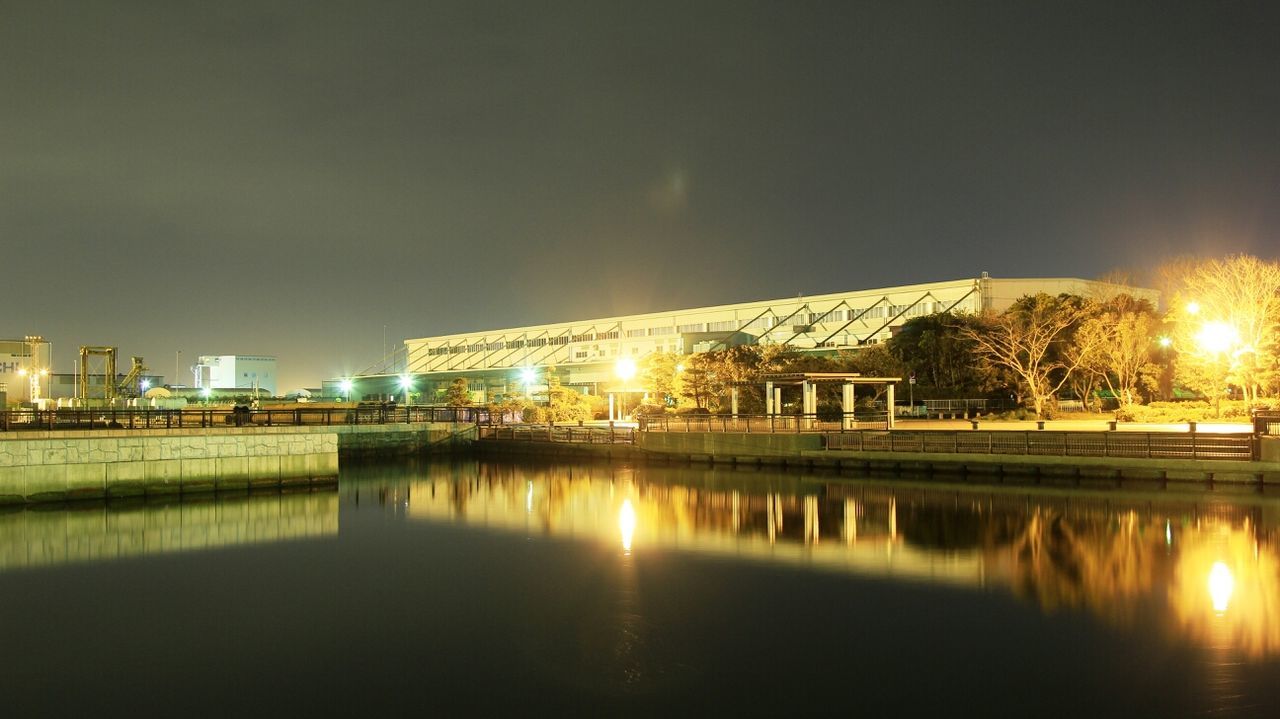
(625, 368)
(1193, 308)
(1165, 341)
(44, 373)
(1217, 337)
(680, 367)
(528, 375)
(627, 523)
(1221, 586)
(22, 372)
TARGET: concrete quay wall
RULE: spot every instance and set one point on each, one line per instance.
(805, 450)
(63, 465)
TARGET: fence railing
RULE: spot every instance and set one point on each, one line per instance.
(552, 433)
(1266, 422)
(89, 418)
(763, 423)
(1159, 445)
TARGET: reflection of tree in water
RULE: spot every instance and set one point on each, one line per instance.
(1105, 563)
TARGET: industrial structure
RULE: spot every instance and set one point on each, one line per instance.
(24, 368)
(585, 353)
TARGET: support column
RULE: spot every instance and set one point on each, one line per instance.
(768, 398)
(777, 400)
(847, 403)
(611, 406)
(888, 400)
(733, 402)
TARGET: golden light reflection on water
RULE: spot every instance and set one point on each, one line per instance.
(626, 524)
(1208, 570)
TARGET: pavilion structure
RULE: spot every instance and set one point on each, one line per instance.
(808, 383)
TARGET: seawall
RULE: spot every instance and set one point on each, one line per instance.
(806, 450)
(44, 466)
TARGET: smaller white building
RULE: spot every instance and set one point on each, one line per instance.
(236, 372)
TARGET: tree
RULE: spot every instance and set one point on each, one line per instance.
(458, 394)
(946, 362)
(1116, 342)
(1227, 324)
(565, 404)
(661, 376)
(1028, 340)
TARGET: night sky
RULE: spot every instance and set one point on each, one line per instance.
(290, 177)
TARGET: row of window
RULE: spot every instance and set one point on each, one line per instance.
(761, 323)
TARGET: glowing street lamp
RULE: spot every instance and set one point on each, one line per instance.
(406, 383)
(1166, 342)
(206, 393)
(625, 369)
(1193, 308)
(1217, 337)
(345, 386)
(145, 385)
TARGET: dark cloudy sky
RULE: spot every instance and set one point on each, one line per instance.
(291, 177)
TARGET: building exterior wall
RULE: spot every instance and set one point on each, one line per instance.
(232, 371)
(584, 352)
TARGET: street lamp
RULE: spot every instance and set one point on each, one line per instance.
(527, 376)
(345, 386)
(206, 393)
(406, 383)
(625, 370)
(1217, 337)
(145, 385)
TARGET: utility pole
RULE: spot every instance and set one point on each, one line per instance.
(177, 366)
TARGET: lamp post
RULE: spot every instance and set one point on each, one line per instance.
(406, 383)
(625, 370)
(345, 386)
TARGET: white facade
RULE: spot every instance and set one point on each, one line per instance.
(236, 371)
(20, 361)
(839, 320)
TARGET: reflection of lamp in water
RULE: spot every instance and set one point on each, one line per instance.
(626, 523)
(528, 499)
(1221, 585)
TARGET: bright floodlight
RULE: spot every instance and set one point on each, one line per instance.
(1193, 308)
(1217, 337)
(345, 385)
(44, 373)
(625, 368)
(528, 375)
(206, 392)
(405, 381)
(22, 372)
(146, 384)
(1165, 341)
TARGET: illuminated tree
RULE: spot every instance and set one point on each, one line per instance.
(1227, 319)
(1115, 345)
(458, 394)
(1028, 340)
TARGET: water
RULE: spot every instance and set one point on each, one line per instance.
(500, 588)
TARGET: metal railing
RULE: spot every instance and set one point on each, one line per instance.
(775, 423)
(554, 433)
(1266, 422)
(1158, 445)
(103, 418)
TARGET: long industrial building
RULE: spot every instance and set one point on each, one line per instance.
(585, 352)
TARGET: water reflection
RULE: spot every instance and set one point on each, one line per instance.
(94, 532)
(1207, 569)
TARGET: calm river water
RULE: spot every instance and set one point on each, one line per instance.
(507, 588)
